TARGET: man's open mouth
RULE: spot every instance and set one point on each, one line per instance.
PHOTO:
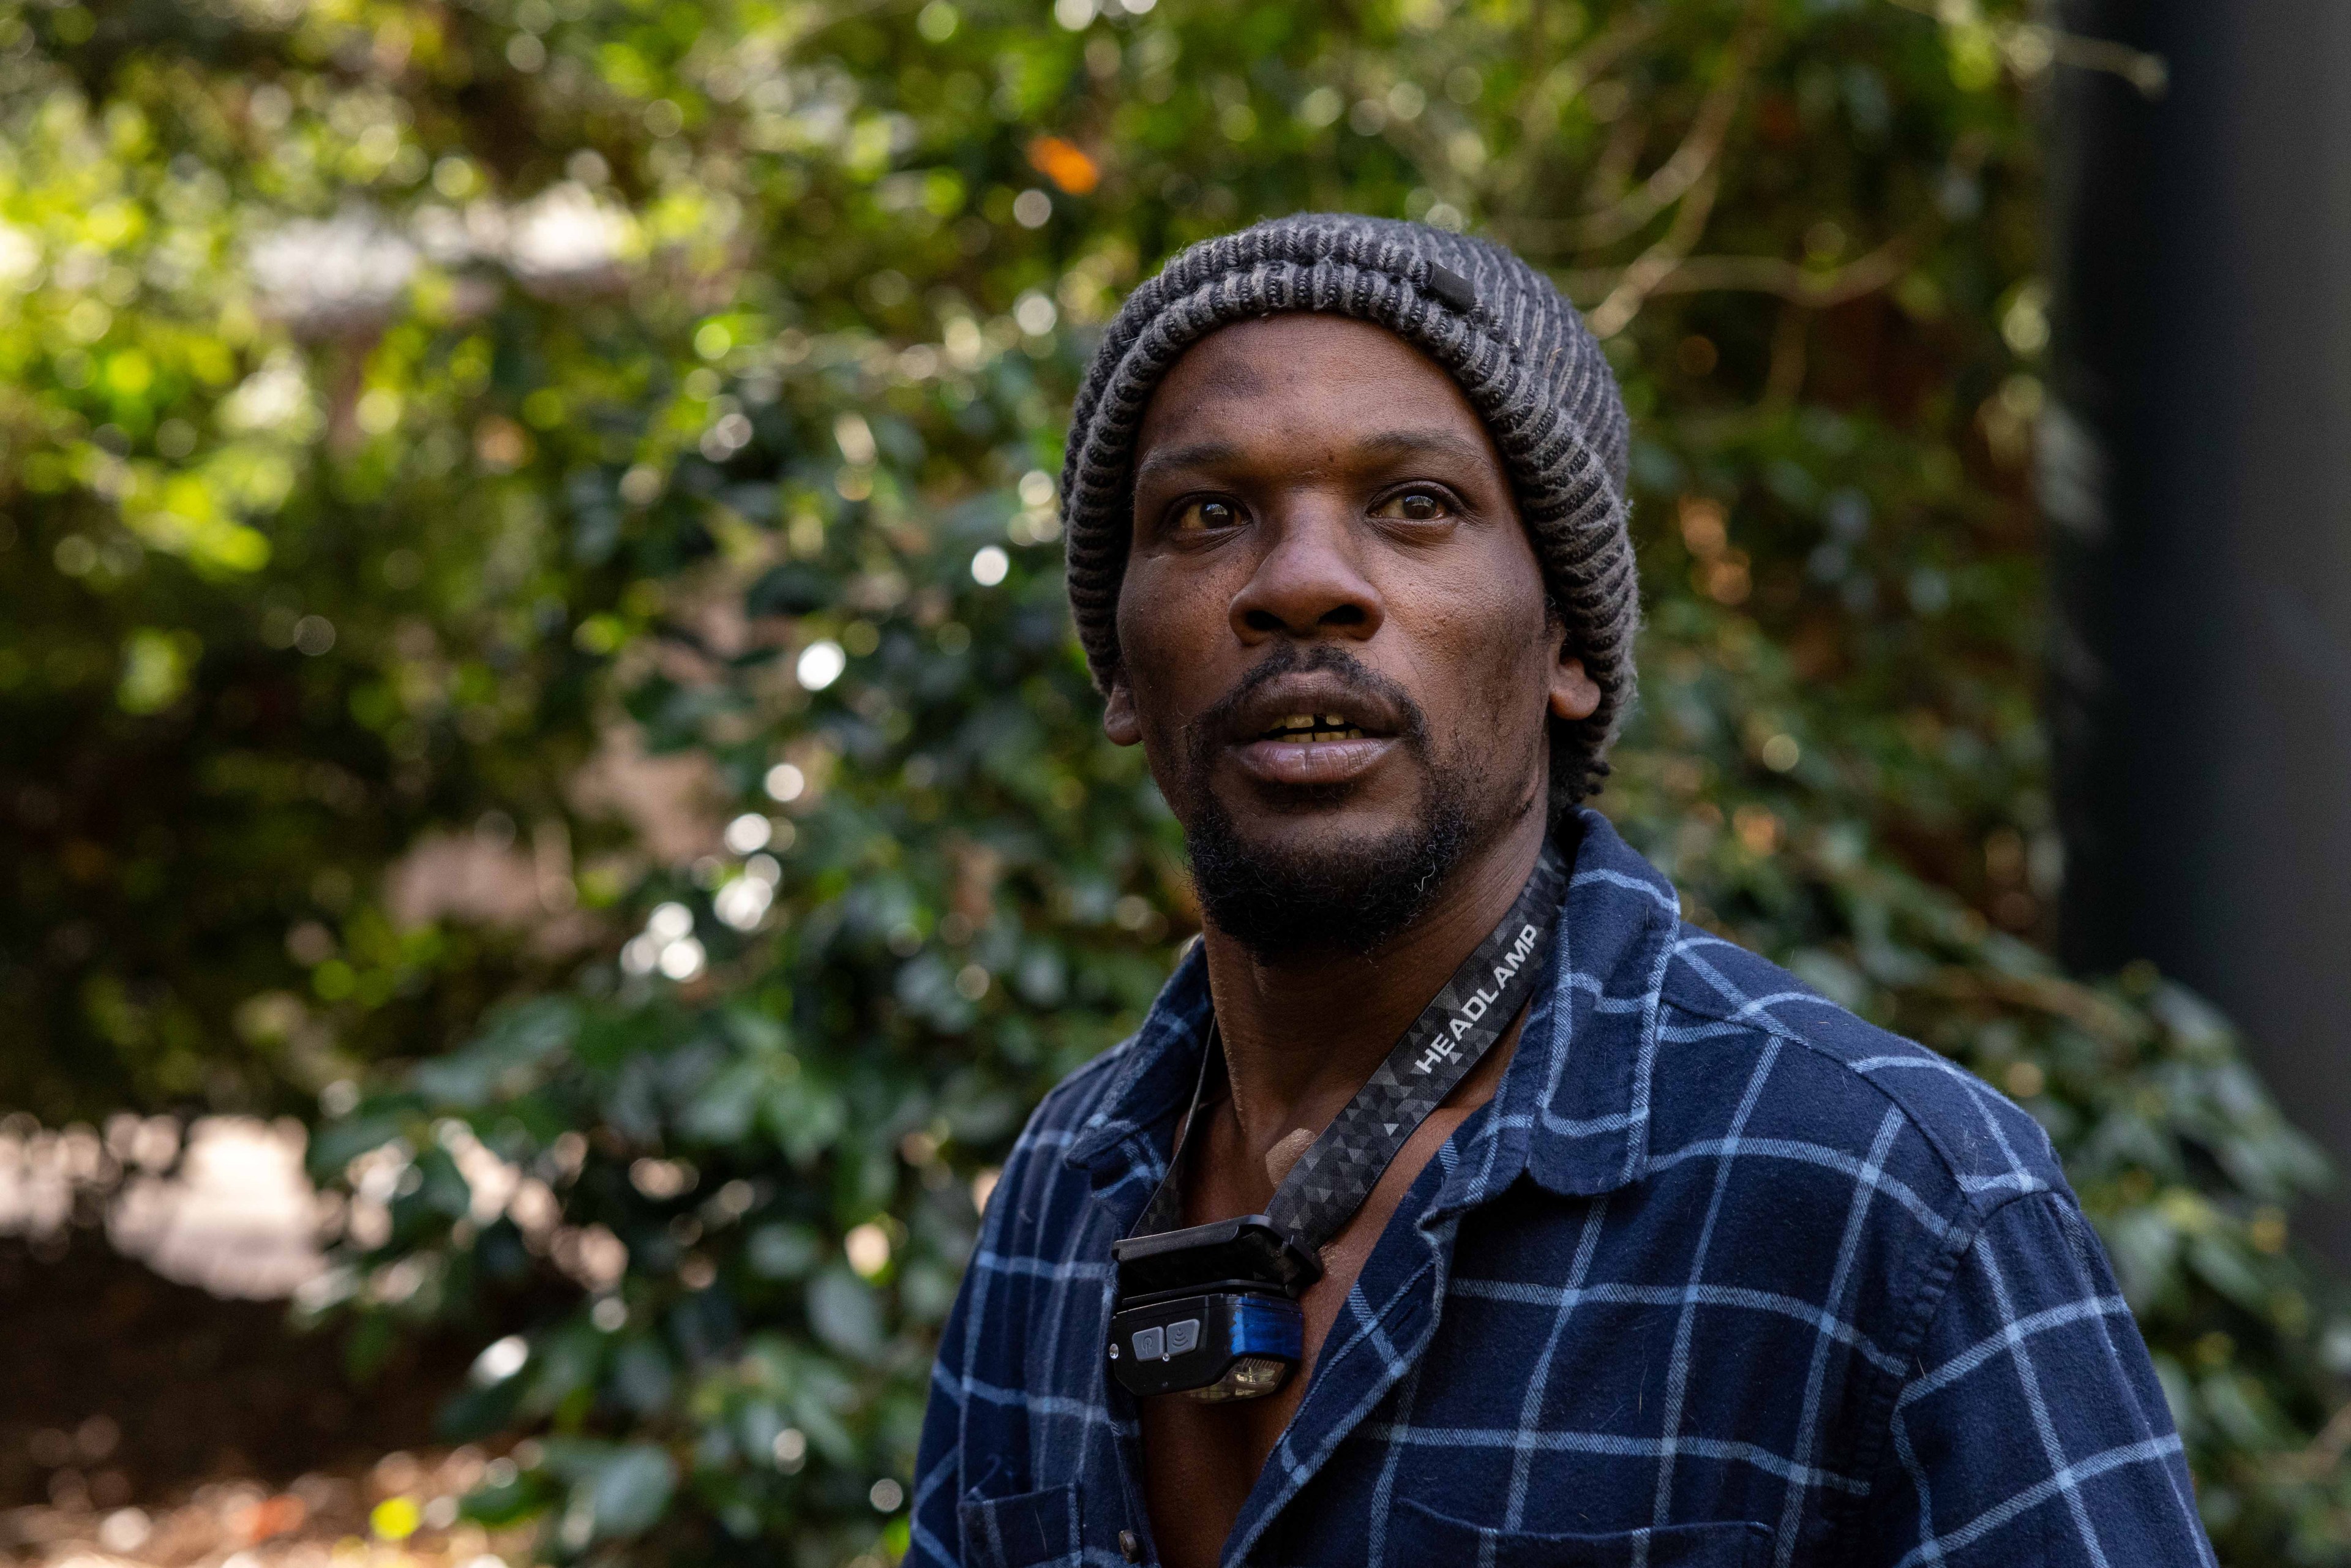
(1314, 730)
(1298, 729)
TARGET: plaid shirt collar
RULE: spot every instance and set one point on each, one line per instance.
(1572, 1109)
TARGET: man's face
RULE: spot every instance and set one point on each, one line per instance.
(1334, 640)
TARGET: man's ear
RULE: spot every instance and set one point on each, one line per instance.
(1574, 694)
(1119, 720)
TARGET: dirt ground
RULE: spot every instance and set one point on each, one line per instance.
(399, 1513)
(151, 1423)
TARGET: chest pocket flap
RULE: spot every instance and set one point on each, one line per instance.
(1420, 1535)
(1031, 1529)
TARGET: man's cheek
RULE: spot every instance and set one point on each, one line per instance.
(1506, 690)
(1167, 744)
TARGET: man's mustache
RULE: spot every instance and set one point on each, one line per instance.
(1216, 720)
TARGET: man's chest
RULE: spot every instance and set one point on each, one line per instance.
(1552, 1369)
(1589, 1379)
(1202, 1461)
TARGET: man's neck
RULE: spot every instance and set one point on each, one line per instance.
(1301, 1036)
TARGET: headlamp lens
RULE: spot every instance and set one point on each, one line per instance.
(1250, 1377)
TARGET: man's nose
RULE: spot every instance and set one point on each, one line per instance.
(1309, 582)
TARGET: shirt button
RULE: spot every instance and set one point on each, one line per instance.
(1128, 1546)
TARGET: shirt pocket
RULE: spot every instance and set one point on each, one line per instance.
(1422, 1535)
(1028, 1530)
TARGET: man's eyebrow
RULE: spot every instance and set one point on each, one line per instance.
(1423, 443)
(1385, 443)
(1198, 454)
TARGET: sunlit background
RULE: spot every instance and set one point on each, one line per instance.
(553, 826)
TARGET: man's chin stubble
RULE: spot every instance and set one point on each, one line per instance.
(1286, 901)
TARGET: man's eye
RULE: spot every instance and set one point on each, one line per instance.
(1206, 517)
(1413, 506)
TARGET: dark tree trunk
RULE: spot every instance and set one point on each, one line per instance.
(2197, 479)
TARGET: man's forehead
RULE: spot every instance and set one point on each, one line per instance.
(1327, 370)
(1261, 349)
(1212, 368)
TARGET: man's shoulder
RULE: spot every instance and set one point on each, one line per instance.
(1833, 1081)
(1076, 1108)
(1083, 1098)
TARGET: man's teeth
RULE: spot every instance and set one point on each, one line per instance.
(1298, 729)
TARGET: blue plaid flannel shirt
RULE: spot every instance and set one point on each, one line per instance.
(1722, 1275)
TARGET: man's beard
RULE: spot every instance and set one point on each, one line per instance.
(1278, 902)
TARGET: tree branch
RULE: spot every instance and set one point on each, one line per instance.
(2032, 47)
(1680, 173)
(1659, 263)
(1741, 273)
(1571, 75)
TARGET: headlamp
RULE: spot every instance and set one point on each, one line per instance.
(1209, 1311)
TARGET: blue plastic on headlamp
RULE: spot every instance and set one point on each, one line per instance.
(1226, 1345)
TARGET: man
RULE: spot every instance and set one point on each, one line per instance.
(1456, 1202)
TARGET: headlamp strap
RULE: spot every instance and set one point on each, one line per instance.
(1452, 1035)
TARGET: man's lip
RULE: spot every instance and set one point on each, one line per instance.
(1314, 695)
(1312, 763)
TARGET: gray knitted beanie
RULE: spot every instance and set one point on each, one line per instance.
(1522, 354)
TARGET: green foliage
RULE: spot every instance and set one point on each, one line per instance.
(407, 405)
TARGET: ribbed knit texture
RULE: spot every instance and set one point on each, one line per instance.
(1521, 353)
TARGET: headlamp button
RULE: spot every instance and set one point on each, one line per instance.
(1183, 1336)
(1150, 1344)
